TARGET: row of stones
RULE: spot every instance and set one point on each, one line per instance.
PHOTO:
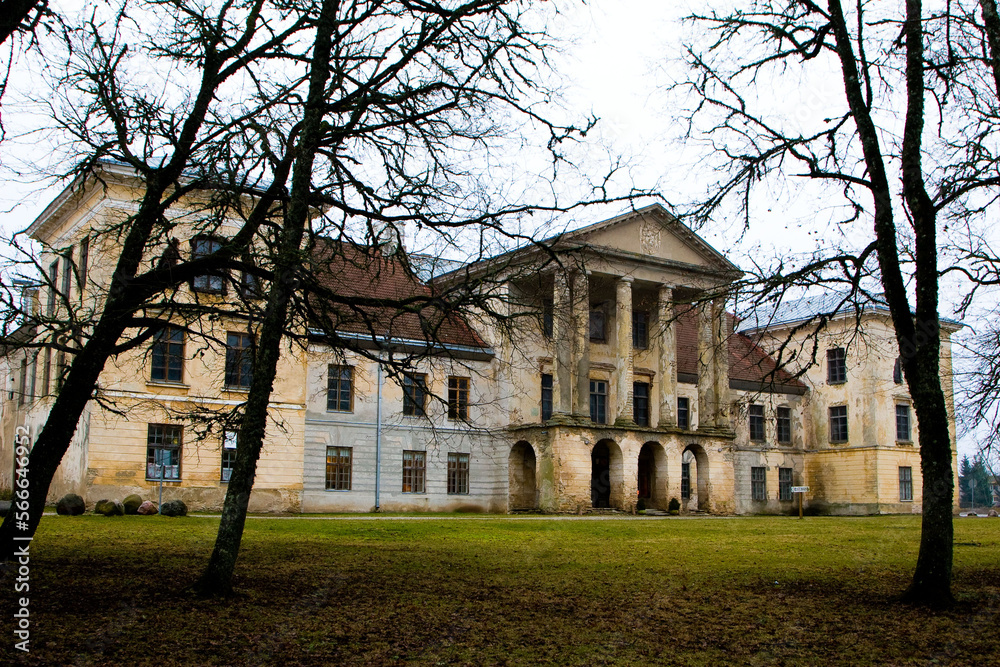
(73, 505)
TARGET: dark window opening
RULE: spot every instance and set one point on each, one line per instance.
(756, 422)
(640, 403)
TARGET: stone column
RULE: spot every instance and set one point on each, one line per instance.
(707, 404)
(666, 370)
(581, 347)
(623, 352)
(721, 331)
(562, 340)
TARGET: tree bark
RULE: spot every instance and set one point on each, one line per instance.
(217, 578)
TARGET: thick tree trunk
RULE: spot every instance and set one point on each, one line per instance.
(932, 577)
(218, 575)
(919, 341)
(54, 439)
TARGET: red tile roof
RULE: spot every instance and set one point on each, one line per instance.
(378, 295)
(748, 362)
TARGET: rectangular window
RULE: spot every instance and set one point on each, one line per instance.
(414, 394)
(548, 310)
(338, 468)
(228, 454)
(163, 452)
(207, 282)
(168, 355)
(784, 483)
(50, 306)
(640, 329)
(598, 322)
(685, 481)
(458, 398)
(22, 383)
(47, 372)
(838, 423)
(756, 422)
(903, 422)
(783, 426)
(683, 412)
(84, 262)
(640, 403)
(836, 366)
(67, 273)
(598, 401)
(339, 388)
(239, 360)
(905, 483)
(414, 467)
(758, 483)
(458, 474)
(546, 397)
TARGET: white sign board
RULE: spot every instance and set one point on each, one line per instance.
(800, 489)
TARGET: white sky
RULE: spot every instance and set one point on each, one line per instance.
(617, 66)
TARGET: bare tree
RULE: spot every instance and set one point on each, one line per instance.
(364, 119)
(917, 99)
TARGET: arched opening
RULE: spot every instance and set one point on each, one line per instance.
(653, 476)
(521, 489)
(694, 478)
(606, 475)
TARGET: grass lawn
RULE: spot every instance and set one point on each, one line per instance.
(499, 590)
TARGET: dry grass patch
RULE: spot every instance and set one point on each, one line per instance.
(468, 591)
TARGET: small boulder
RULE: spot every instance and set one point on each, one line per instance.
(109, 507)
(146, 508)
(131, 504)
(71, 505)
(993, 514)
(173, 508)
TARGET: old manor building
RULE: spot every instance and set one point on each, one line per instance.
(627, 389)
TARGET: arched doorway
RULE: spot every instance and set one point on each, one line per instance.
(652, 481)
(694, 478)
(606, 479)
(521, 488)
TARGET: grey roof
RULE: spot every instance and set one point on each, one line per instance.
(830, 304)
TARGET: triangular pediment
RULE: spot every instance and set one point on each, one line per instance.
(653, 232)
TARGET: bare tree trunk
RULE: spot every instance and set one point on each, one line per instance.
(218, 575)
(932, 577)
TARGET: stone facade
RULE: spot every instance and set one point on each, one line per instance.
(619, 394)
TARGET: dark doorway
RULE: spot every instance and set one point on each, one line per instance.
(600, 476)
(647, 472)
